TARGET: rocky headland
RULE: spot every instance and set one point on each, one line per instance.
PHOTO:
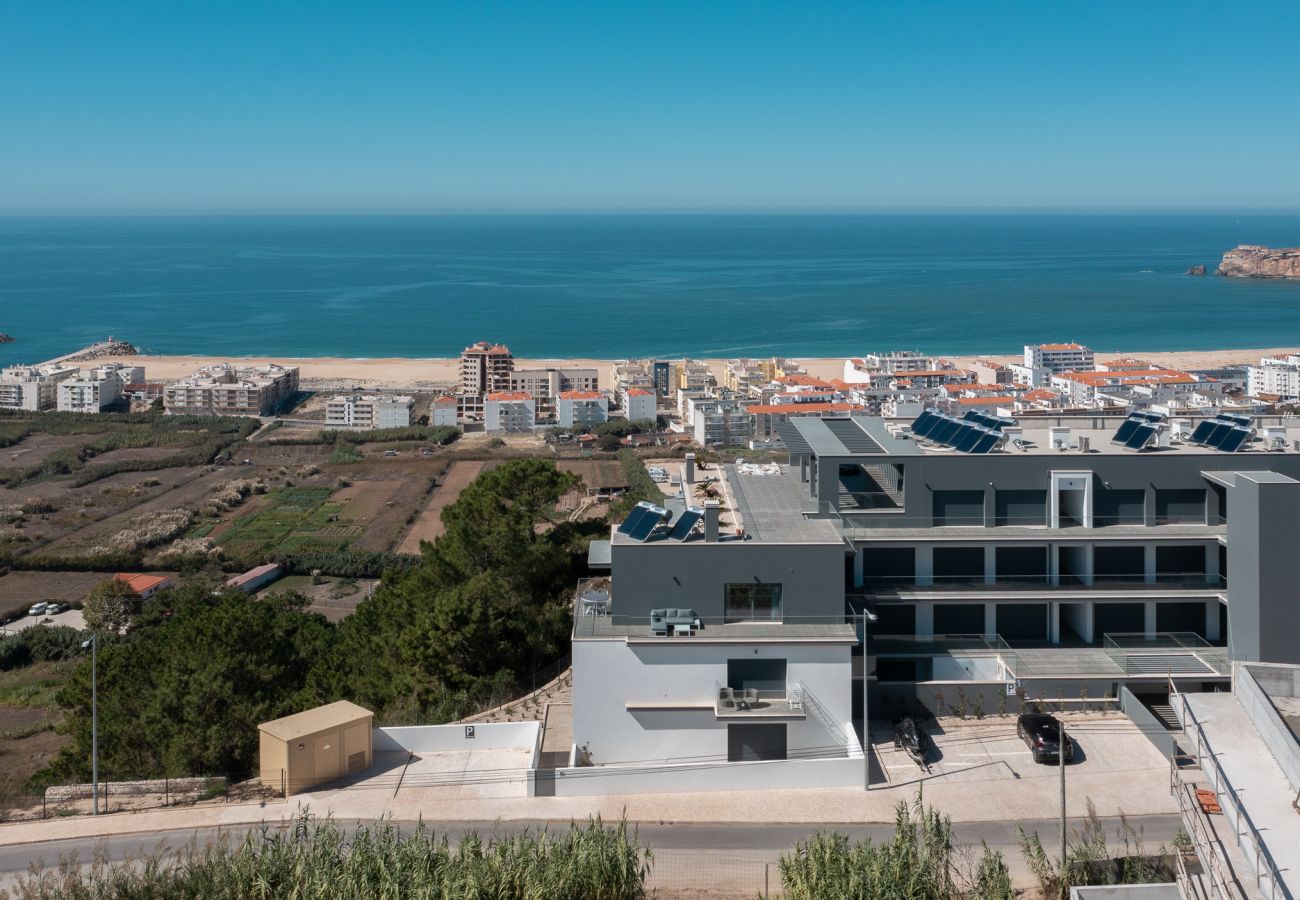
(1253, 261)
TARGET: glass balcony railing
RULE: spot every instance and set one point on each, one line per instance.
(1101, 581)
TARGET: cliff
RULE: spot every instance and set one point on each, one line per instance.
(1251, 261)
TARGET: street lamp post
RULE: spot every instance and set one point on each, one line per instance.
(93, 643)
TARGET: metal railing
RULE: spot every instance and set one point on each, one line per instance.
(758, 702)
(1100, 581)
(1265, 867)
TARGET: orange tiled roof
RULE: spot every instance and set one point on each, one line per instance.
(1061, 347)
(971, 401)
(581, 395)
(1143, 376)
(803, 381)
(443, 401)
(139, 582)
(510, 395)
(639, 392)
(780, 408)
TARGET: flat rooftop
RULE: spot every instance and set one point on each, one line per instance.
(872, 436)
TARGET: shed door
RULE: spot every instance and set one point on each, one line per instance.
(328, 754)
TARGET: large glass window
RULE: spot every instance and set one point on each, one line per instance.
(753, 601)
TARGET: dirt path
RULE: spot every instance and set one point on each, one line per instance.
(429, 525)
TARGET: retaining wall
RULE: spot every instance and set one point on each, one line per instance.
(432, 738)
(1253, 683)
(848, 771)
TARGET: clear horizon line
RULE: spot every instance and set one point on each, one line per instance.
(468, 212)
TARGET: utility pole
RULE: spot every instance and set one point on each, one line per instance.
(94, 720)
(1060, 762)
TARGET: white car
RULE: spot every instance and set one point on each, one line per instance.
(38, 609)
(54, 609)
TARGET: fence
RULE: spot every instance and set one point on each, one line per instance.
(21, 803)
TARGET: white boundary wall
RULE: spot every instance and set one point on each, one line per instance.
(720, 776)
(433, 738)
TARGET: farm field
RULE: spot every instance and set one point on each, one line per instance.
(19, 590)
(429, 524)
(292, 520)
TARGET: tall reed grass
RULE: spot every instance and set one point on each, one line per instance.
(318, 859)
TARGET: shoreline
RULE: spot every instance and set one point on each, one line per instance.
(433, 372)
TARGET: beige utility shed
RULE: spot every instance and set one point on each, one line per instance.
(310, 748)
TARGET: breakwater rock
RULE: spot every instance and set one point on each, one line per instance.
(6, 338)
(110, 347)
(1253, 261)
(1196, 270)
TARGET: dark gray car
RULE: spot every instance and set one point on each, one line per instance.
(1040, 732)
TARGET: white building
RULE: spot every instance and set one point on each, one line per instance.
(581, 409)
(1058, 358)
(723, 423)
(1275, 377)
(510, 411)
(33, 388)
(229, 390)
(93, 391)
(443, 412)
(547, 384)
(369, 411)
(639, 404)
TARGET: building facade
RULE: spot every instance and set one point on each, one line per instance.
(640, 405)
(33, 388)
(369, 411)
(228, 390)
(509, 411)
(581, 409)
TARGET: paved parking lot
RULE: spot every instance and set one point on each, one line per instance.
(990, 750)
(72, 618)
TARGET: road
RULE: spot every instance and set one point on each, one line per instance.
(703, 839)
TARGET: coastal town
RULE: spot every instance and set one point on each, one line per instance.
(811, 583)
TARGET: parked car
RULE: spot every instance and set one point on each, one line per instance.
(38, 609)
(1041, 732)
(54, 609)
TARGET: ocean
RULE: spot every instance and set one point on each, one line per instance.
(637, 285)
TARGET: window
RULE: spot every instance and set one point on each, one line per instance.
(753, 601)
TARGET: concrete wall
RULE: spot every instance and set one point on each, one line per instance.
(714, 776)
(1252, 684)
(431, 738)
(1264, 567)
(892, 699)
(1147, 723)
(674, 684)
(694, 575)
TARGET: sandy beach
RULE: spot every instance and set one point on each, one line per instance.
(432, 374)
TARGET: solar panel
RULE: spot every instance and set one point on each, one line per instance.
(1150, 416)
(1234, 439)
(1202, 431)
(636, 515)
(682, 529)
(1220, 431)
(647, 524)
(944, 432)
(988, 440)
(926, 422)
(970, 438)
(1236, 419)
(1143, 433)
(1126, 429)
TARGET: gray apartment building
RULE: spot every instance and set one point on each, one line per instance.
(893, 563)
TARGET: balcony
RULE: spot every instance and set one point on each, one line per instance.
(1101, 583)
(755, 703)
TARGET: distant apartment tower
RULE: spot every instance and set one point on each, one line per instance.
(664, 374)
(33, 388)
(485, 368)
(724, 423)
(442, 411)
(581, 409)
(227, 390)
(510, 411)
(1058, 358)
(368, 411)
(639, 405)
(101, 387)
(1275, 378)
(694, 374)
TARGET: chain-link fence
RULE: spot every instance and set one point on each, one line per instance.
(715, 876)
(20, 802)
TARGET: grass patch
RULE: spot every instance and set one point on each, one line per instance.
(33, 686)
(295, 520)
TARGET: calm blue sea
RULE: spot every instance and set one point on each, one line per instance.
(616, 286)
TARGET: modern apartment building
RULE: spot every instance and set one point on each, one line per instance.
(443, 412)
(722, 423)
(893, 563)
(640, 405)
(1058, 358)
(33, 388)
(545, 385)
(510, 411)
(581, 409)
(229, 390)
(88, 394)
(368, 411)
(484, 368)
(1275, 378)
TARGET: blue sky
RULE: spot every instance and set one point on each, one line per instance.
(139, 107)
